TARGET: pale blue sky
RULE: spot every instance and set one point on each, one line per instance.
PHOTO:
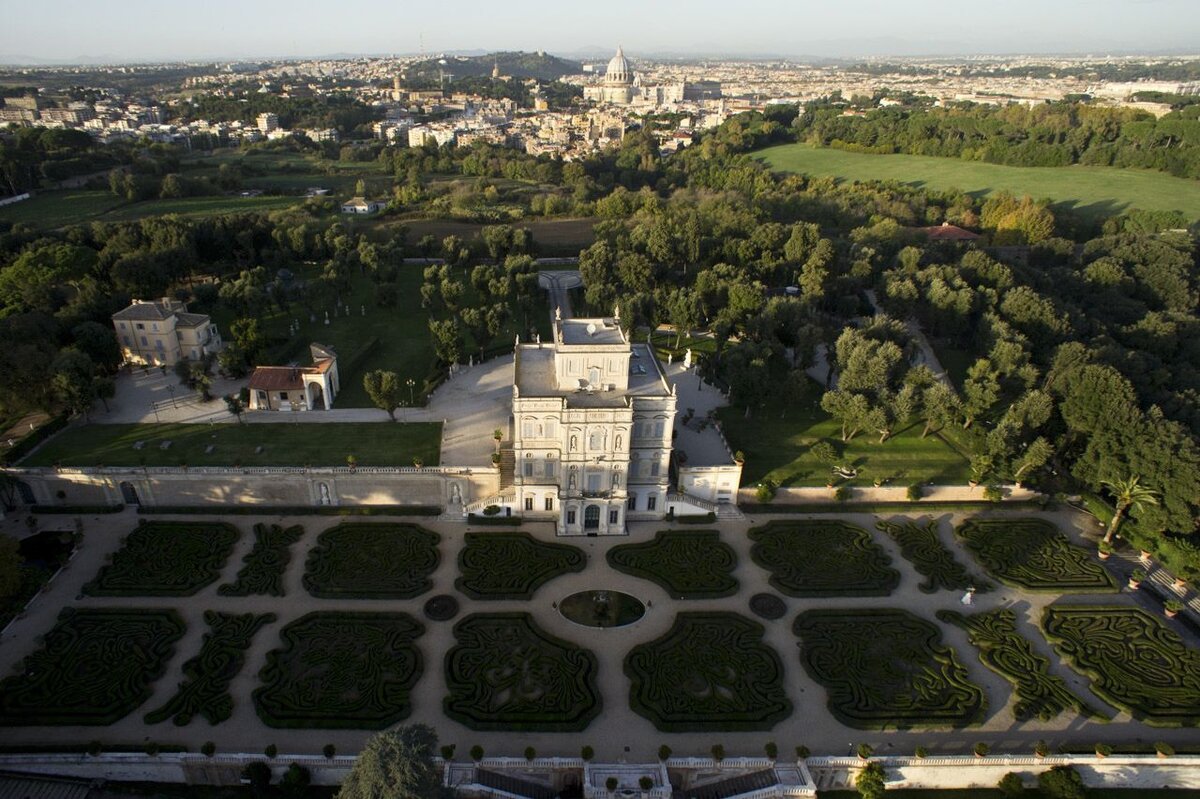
(180, 29)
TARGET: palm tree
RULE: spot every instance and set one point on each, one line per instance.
(1128, 493)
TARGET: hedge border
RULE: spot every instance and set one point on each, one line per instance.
(664, 577)
(291, 510)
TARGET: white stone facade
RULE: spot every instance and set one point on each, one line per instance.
(592, 422)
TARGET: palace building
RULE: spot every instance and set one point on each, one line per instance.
(592, 423)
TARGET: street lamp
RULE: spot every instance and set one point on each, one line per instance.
(410, 383)
(171, 391)
(154, 407)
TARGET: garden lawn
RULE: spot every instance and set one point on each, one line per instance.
(1091, 191)
(373, 444)
(778, 448)
(54, 209)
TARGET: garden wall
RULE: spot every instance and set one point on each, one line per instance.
(266, 486)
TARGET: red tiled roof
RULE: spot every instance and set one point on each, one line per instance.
(276, 378)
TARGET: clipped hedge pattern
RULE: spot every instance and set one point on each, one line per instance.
(262, 569)
(710, 672)
(1032, 554)
(506, 673)
(512, 565)
(341, 670)
(822, 557)
(166, 559)
(94, 667)
(919, 543)
(1002, 649)
(886, 668)
(691, 565)
(361, 560)
(222, 655)
(1134, 660)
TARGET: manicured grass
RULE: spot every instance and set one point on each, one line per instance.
(822, 557)
(93, 668)
(1002, 649)
(1135, 661)
(360, 560)
(54, 209)
(1090, 191)
(263, 567)
(341, 670)
(886, 669)
(166, 559)
(222, 655)
(778, 441)
(512, 565)
(691, 565)
(709, 672)
(506, 673)
(919, 543)
(1033, 555)
(199, 206)
(373, 444)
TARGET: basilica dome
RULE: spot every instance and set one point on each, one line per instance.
(618, 72)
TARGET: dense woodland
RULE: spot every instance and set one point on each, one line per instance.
(1081, 346)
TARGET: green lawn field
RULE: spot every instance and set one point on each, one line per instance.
(1090, 191)
(284, 444)
(777, 443)
(55, 209)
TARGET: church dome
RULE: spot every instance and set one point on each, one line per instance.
(618, 71)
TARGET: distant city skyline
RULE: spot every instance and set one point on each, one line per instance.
(141, 30)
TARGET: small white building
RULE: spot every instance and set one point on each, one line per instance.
(358, 205)
(297, 388)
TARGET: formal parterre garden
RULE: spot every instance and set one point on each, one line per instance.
(1005, 651)
(822, 558)
(166, 559)
(710, 671)
(919, 544)
(1033, 555)
(512, 565)
(95, 667)
(205, 692)
(262, 569)
(360, 560)
(688, 565)
(1134, 660)
(339, 669)
(506, 673)
(886, 669)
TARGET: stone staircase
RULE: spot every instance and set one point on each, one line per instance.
(508, 466)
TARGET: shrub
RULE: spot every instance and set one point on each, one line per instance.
(689, 565)
(295, 780)
(1041, 748)
(842, 494)
(271, 751)
(980, 749)
(1137, 576)
(915, 492)
(208, 749)
(611, 783)
(718, 752)
(739, 457)
(491, 510)
(664, 752)
(258, 774)
(921, 752)
(1010, 785)
(870, 781)
(1173, 606)
(587, 753)
(1164, 749)
(448, 752)
(771, 749)
(864, 751)
(477, 753)
(329, 751)
(765, 492)
(530, 753)
(152, 748)
(824, 452)
(533, 563)
(94, 748)
(802, 752)
(1061, 782)
(1103, 750)
(993, 493)
(645, 783)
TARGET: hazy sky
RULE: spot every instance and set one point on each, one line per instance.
(170, 29)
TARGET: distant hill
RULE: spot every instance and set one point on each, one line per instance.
(519, 65)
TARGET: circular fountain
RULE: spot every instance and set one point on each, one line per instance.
(602, 608)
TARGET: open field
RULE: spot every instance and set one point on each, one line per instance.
(1089, 191)
(562, 237)
(55, 209)
(373, 444)
(778, 442)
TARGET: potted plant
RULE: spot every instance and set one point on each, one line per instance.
(208, 749)
(418, 463)
(864, 751)
(351, 461)
(1163, 749)
(921, 752)
(495, 458)
(802, 752)
(611, 783)
(477, 753)
(771, 750)
(448, 752)
(645, 783)
(1135, 579)
(1172, 607)
(1103, 750)
(664, 752)
(739, 457)
(1180, 584)
(718, 752)
(1041, 749)
(329, 750)
(1104, 549)
(530, 753)
(587, 753)
(981, 749)
(497, 436)
(1144, 555)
